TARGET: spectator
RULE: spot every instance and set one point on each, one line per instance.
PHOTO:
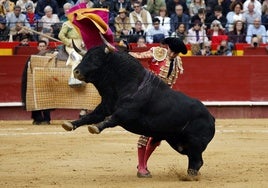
(61, 8)
(197, 35)
(66, 7)
(201, 17)
(122, 25)
(19, 31)
(15, 16)
(23, 3)
(223, 49)
(217, 16)
(267, 39)
(110, 6)
(225, 4)
(48, 20)
(206, 50)
(238, 35)
(140, 14)
(24, 41)
(141, 43)
(41, 4)
(89, 3)
(4, 29)
(250, 14)
(234, 15)
(180, 33)
(153, 6)
(257, 6)
(136, 32)
(2, 10)
(6, 6)
(264, 17)
(105, 4)
(258, 30)
(173, 3)
(118, 4)
(31, 17)
(210, 5)
(142, 2)
(155, 34)
(195, 6)
(216, 33)
(255, 41)
(179, 17)
(164, 19)
(41, 117)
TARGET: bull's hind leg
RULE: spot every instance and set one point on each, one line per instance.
(195, 163)
(194, 155)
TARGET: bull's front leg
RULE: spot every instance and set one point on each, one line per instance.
(85, 120)
(109, 122)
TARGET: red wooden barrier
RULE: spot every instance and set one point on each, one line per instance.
(10, 77)
(211, 78)
(255, 51)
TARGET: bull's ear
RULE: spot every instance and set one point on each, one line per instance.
(109, 48)
(79, 51)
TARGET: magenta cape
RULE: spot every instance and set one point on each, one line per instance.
(90, 22)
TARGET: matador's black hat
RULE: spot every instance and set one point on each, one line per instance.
(175, 44)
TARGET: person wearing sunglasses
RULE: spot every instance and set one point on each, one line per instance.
(216, 33)
(140, 14)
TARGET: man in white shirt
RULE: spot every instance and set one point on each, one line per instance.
(257, 5)
(155, 34)
(258, 30)
(16, 16)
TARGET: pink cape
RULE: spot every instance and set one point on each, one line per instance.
(90, 22)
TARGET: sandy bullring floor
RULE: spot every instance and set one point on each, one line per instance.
(47, 156)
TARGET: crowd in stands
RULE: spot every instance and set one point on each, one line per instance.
(200, 23)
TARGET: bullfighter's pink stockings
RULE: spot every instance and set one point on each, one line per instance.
(149, 150)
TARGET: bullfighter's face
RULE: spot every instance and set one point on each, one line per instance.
(171, 54)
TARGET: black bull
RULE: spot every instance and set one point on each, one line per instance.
(142, 103)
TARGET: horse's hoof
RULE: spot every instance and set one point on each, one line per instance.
(144, 175)
(93, 129)
(67, 126)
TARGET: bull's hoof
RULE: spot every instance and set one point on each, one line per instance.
(192, 175)
(93, 129)
(67, 126)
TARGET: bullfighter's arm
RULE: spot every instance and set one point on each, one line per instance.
(140, 55)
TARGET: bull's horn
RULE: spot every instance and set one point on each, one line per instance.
(109, 47)
(80, 51)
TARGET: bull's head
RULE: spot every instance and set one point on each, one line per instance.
(91, 60)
